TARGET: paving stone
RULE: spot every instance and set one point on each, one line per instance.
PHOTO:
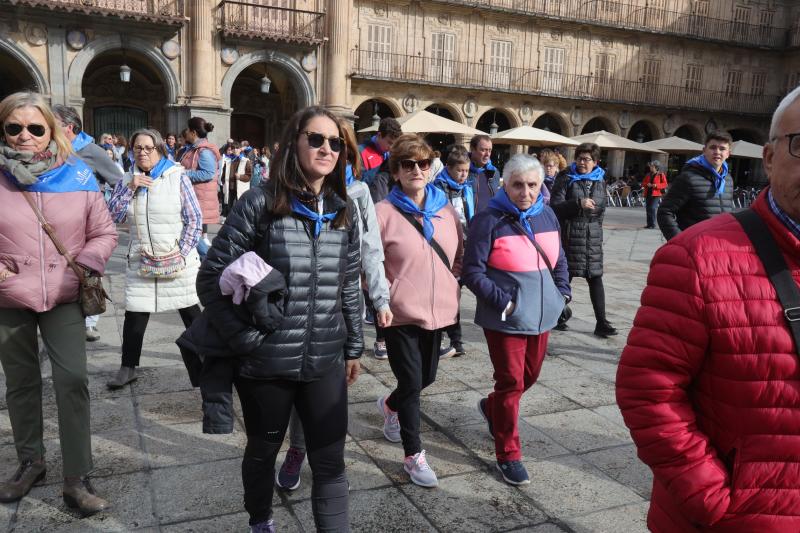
(170, 408)
(612, 413)
(453, 408)
(364, 421)
(622, 464)
(284, 521)
(556, 367)
(541, 528)
(367, 388)
(7, 511)
(162, 379)
(629, 518)
(535, 444)
(178, 444)
(580, 430)
(594, 361)
(475, 502)
(373, 510)
(541, 399)
(565, 486)
(445, 381)
(44, 510)
(588, 391)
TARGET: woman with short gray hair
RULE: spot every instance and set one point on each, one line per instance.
(158, 201)
(653, 185)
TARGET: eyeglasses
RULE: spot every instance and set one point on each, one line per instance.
(316, 140)
(12, 129)
(409, 164)
(794, 143)
(584, 159)
(145, 149)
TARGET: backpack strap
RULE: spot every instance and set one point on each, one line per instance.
(776, 268)
(435, 245)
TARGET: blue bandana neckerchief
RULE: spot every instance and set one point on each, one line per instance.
(719, 179)
(502, 202)
(435, 199)
(72, 176)
(299, 208)
(598, 174)
(349, 177)
(466, 188)
(81, 141)
(170, 151)
(107, 146)
(478, 170)
(162, 166)
(374, 141)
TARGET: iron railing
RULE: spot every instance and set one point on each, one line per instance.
(254, 21)
(640, 16)
(171, 11)
(462, 74)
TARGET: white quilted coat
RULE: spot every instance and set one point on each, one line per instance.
(155, 223)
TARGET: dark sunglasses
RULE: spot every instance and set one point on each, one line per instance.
(37, 130)
(409, 164)
(316, 140)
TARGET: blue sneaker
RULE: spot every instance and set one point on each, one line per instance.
(514, 472)
(482, 411)
(288, 477)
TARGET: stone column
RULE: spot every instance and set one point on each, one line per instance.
(203, 56)
(337, 59)
(57, 65)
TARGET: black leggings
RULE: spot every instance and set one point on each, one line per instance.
(133, 332)
(597, 294)
(322, 408)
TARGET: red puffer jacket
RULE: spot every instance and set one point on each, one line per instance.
(709, 384)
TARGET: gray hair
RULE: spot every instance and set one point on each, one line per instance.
(521, 164)
(655, 164)
(158, 141)
(787, 102)
(68, 115)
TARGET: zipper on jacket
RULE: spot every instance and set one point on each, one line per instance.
(41, 251)
(312, 300)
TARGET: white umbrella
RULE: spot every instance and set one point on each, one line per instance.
(529, 136)
(370, 129)
(425, 122)
(675, 145)
(609, 141)
(746, 149)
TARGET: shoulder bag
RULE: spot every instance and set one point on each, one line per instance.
(165, 266)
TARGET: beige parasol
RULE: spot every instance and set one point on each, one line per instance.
(529, 136)
(609, 141)
(747, 149)
(675, 145)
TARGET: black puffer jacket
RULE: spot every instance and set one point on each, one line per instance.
(691, 199)
(321, 312)
(581, 229)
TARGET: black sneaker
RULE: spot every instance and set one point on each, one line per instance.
(514, 472)
(561, 327)
(605, 330)
(459, 348)
(482, 411)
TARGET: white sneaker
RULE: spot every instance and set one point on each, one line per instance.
(420, 472)
(391, 425)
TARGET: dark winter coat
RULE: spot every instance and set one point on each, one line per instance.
(380, 183)
(691, 199)
(321, 322)
(581, 229)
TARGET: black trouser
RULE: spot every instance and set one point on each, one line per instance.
(322, 407)
(597, 294)
(651, 206)
(454, 331)
(414, 358)
(133, 332)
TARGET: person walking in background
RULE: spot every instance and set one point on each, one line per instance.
(653, 185)
(515, 266)
(238, 173)
(703, 189)
(158, 201)
(375, 152)
(171, 143)
(39, 289)
(579, 201)
(452, 181)
(303, 225)
(552, 164)
(423, 248)
(483, 176)
(200, 158)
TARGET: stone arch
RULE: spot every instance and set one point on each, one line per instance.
(695, 133)
(77, 68)
(746, 134)
(640, 126)
(607, 125)
(458, 116)
(559, 118)
(483, 120)
(393, 105)
(22, 56)
(300, 82)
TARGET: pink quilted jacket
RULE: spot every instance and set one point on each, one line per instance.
(43, 279)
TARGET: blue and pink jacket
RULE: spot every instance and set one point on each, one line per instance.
(502, 265)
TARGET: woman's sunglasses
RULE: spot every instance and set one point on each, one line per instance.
(316, 140)
(409, 164)
(12, 129)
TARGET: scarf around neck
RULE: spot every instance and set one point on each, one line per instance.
(81, 141)
(597, 174)
(435, 200)
(503, 203)
(719, 178)
(444, 179)
(349, 177)
(26, 167)
(162, 166)
(480, 170)
(301, 209)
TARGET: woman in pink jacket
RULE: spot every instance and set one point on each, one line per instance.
(39, 289)
(423, 248)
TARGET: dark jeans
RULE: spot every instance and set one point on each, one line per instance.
(651, 205)
(454, 331)
(133, 332)
(322, 408)
(414, 358)
(597, 294)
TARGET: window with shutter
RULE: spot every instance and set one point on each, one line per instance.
(443, 55)
(699, 20)
(740, 29)
(604, 68)
(694, 77)
(733, 83)
(379, 47)
(553, 71)
(757, 83)
(651, 74)
(792, 81)
(500, 64)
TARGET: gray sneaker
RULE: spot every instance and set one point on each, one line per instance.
(92, 334)
(391, 425)
(380, 350)
(420, 472)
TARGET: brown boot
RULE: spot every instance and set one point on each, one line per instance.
(79, 494)
(124, 376)
(18, 485)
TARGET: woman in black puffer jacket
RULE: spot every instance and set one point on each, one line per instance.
(578, 198)
(302, 224)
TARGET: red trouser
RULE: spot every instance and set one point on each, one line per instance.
(517, 360)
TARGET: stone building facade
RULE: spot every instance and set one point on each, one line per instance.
(644, 69)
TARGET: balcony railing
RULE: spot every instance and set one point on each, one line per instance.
(254, 21)
(433, 71)
(794, 36)
(159, 11)
(639, 17)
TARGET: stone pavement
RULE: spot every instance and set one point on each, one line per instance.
(163, 474)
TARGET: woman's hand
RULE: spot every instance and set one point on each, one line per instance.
(140, 180)
(588, 203)
(6, 273)
(352, 369)
(384, 318)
